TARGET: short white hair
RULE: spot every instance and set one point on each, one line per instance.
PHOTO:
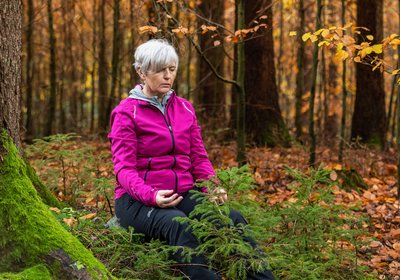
(154, 55)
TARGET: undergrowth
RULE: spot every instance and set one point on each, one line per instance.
(306, 237)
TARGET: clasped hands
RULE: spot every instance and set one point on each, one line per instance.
(167, 198)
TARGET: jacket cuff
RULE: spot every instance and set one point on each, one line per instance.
(153, 198)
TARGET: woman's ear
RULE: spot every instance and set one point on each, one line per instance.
(140, 73)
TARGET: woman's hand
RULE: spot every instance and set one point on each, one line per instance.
(166, 198)
(219, 195)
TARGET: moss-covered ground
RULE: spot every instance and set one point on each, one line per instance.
(28, 231)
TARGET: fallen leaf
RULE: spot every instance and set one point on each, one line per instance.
(88, 216)
(55, 209)
(375, 244)
(396, 246)
(333, 176)
(70, 221)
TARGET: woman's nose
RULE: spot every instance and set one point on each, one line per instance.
(167, 74)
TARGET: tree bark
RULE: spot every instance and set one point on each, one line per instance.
(29, 71)
(93, 67)
(240, 89)
(265, 125)
(300, 73)
(10, 68)
(53, 82)
(311, 132)
(115, 58)
(103, 72)
(344, 95)
(369, 118)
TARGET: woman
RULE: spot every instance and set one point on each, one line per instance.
(158, 154)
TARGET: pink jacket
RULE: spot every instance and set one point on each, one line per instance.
(154, 151)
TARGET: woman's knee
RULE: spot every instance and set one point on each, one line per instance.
(236, 217)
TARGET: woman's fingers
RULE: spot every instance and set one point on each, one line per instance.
(173, 203)
(219, 195)
(164, 198)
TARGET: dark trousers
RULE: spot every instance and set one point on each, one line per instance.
(159, 223)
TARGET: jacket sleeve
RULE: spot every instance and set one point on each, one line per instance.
(201, 166)
(124, 150)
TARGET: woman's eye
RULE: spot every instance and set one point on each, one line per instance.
(172, 69)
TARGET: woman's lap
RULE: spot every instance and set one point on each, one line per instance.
(155, 222)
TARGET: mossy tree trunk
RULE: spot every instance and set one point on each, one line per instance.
(29, 233)
(31, 239)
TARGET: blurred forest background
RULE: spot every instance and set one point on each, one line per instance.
(78, 55)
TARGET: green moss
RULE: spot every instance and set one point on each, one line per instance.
(44, 193)
(36, 272)
(28, 231)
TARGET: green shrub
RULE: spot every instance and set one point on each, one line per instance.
(128, 255)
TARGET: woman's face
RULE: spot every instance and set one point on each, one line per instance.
(159, 83)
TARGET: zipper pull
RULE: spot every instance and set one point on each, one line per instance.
(170, 128)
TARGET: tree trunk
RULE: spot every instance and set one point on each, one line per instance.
(313, 139)
(53, 82)
(265, 125)
(10, 67)
(103, 75)
(73, 69)
(369, 118)
(398, 122)
(30, 236)
(344, 94)
(132, 42)
(29, 71)
(300, 73)
(240, 89)
(93, 67)
(211, 94)
(115, 58)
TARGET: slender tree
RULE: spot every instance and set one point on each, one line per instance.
(398, 123)
(103, 71)
(300, 73)
(265, 125)
(29, 70)
(311, 131)
(93, 66)
(369, 118)
(115, 58)
(344, 94)
(240, 88)
(53, 82)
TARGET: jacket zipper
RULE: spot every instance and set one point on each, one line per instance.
(168, 123)
(173, 143)
(148, 169)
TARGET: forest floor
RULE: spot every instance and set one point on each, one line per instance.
(378, 201)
